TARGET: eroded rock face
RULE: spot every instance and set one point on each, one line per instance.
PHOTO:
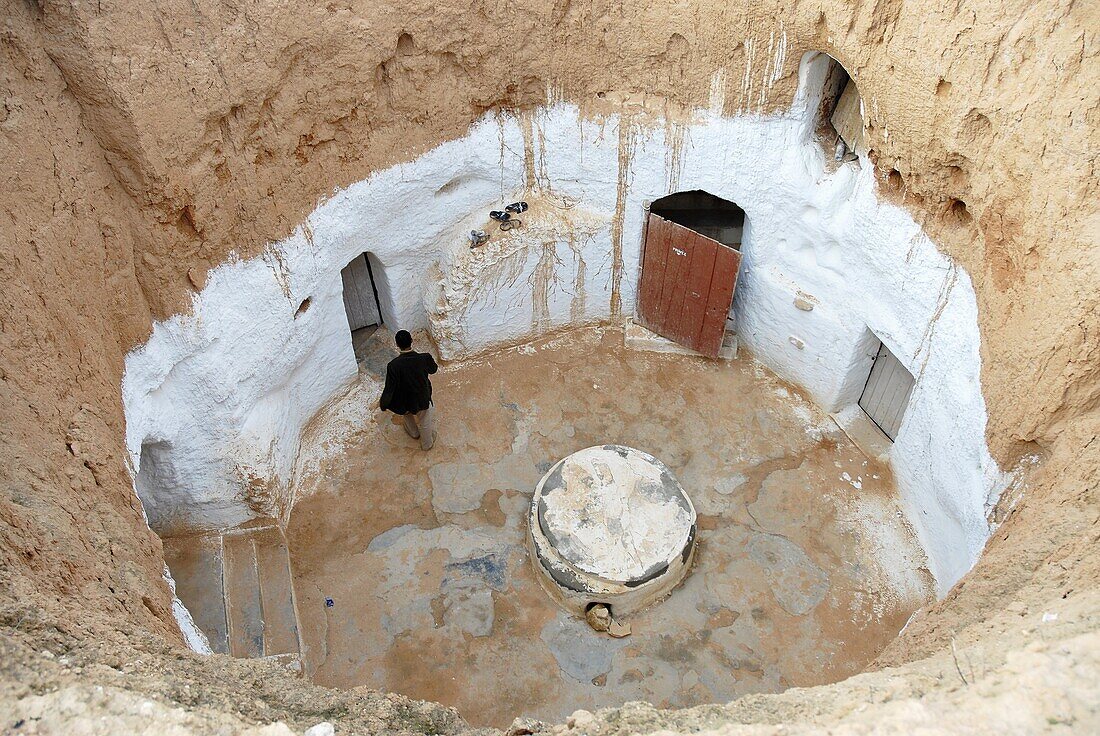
(226, 138)
(221, 141)
(143, 146)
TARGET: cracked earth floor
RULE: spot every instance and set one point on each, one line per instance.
(805, 567)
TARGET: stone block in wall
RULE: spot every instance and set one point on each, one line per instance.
(848, 118)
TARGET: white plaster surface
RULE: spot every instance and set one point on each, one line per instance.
(613, 514)
(553, 271)
(221, 395)
(192, 634)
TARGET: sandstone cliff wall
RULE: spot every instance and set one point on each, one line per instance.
(145, 142)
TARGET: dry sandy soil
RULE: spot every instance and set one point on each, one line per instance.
(799, 578)
(145, 142)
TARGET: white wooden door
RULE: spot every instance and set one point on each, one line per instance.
(887, 392)
(359, 300)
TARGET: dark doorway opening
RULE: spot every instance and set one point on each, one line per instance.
(710, 216)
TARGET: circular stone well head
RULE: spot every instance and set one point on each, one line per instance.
(610, 524)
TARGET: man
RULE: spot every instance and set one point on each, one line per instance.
(408, 392)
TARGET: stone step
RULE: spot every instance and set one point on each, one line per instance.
(239, 590)
(636, 337)
(276, 593)
(196, 565)
(244, 607)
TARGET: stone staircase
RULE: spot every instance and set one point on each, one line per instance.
(239, 589)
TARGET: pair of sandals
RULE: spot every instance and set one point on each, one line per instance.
(504, 217)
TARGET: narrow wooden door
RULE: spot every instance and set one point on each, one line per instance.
(887, 392)
(359, 299)
(687, 285)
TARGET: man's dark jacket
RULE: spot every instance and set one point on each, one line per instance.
(408, 389)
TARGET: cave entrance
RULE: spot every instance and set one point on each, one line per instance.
(838, 116)
(154, 483)
(691, 254)
(361, 303)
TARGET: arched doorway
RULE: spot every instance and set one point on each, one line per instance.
(706, 214)
(361, 302)
(834, 105)
(691, 254)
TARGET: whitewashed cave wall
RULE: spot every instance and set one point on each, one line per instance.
(225, 392)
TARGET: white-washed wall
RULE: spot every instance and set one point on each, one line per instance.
(229, 387)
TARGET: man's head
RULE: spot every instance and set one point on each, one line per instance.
(403, 339)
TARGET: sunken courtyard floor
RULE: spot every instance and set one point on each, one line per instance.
(805, 567)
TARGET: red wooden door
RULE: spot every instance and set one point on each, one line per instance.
(687, 285)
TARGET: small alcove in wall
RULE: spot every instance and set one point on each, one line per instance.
(155, 485)
(835, 106)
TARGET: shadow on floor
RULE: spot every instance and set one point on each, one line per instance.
(374, 348)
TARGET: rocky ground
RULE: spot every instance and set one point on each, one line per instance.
(1035, 672)
(57, 677)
